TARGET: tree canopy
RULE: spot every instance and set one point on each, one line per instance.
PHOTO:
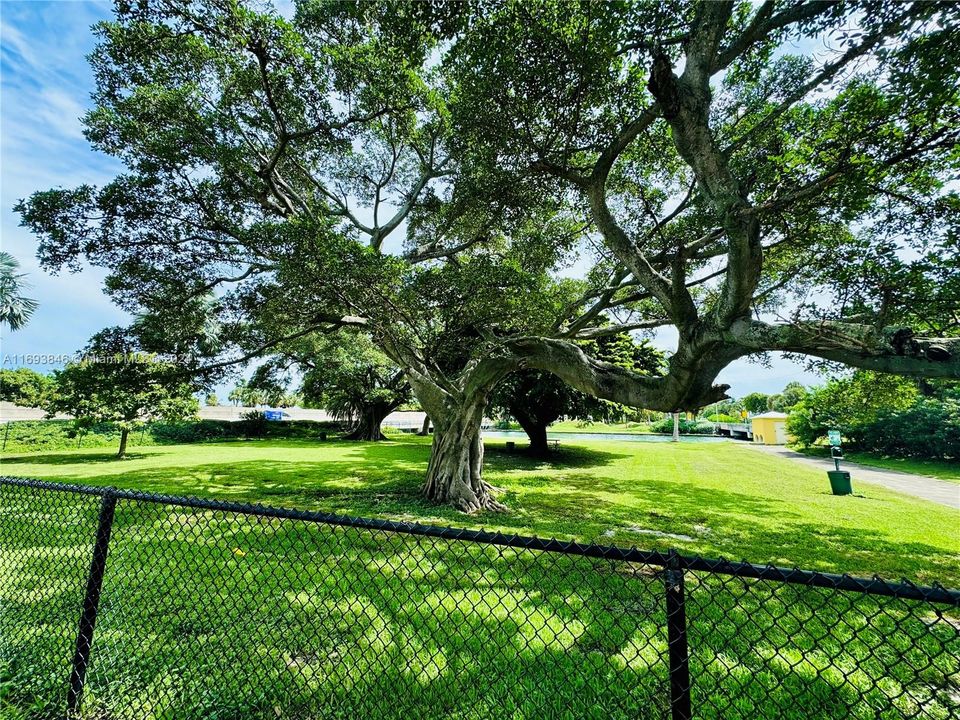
(481, 186)
(25, 387)
(792, 393)
(755, 402)
(730, 177)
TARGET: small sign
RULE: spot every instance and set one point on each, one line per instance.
(834, 437)
(273, 414)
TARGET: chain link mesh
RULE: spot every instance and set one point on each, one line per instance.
(210, 610)
(764, 648)
(45, 545)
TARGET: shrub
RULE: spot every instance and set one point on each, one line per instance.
(929, 429)
(253, 423)
(302, 429)
(191, 432)
(804, 426)
(893, 420)
(29, 435)
(33, 435)
(687, 427)
(721, 418)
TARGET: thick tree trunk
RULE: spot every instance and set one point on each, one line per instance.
(537, 432)
(425, 428)
(454, 475)
(676, 427)
(456, 407)
(124, 434)
(369, 422)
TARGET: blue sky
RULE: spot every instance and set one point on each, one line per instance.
(45, 86)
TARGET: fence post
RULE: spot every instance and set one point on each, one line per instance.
(91, 603)
(680, 707)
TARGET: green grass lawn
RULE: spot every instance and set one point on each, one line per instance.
(714, 499)
(578, 426)
(210, 615)
(587, 426)
(942, 469)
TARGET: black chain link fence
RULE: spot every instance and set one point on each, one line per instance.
(117, 604)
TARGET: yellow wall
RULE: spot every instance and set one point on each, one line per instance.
(770, 431)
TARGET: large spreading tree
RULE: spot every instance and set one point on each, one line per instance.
(761, 177)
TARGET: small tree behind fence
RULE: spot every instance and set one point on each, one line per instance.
(120, 604)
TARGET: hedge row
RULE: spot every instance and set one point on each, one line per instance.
(930, 429)
(687, 427)
(31, 435)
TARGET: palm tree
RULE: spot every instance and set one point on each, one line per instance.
(15, 309)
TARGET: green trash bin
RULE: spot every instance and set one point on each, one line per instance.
(840, 482)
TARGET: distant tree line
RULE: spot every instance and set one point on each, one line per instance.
(349, 377)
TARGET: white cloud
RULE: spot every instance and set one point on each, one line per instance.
(44, 90)
(62, 113)
(15, 49)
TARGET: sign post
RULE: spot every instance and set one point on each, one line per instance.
(839, 479)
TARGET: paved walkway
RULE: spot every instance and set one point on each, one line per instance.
(938, 491)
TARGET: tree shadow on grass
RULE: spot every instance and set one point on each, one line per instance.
(215, 613)
(78, 458)
(255, 479)
(365, 478)
(340, 622)
(713, 522)
(385, 480)
(598, 506)
(857, 551)
(334, 622)
(498, 458)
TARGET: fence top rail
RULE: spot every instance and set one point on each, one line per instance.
(875, 585)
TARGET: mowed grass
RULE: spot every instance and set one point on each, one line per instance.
(600, 428)
(716, 499)
(214, 615)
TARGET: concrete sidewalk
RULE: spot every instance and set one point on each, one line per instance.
(942, 492)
